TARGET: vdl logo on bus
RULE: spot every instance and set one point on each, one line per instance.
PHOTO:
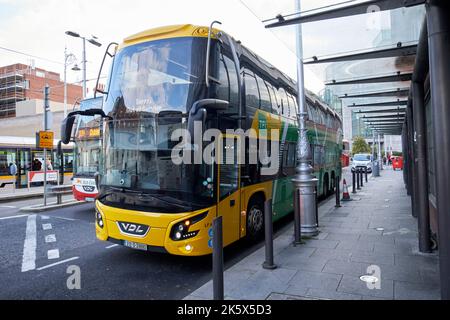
(133, 229)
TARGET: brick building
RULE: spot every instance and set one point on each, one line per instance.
(21, 90)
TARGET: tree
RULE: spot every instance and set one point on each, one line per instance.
(360, 146)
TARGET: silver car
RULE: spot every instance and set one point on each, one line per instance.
(363, 161)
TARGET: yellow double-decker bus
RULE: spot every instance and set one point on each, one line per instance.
(163, 79)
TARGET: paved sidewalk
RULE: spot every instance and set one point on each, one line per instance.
(376, 229)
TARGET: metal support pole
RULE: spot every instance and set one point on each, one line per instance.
(338, 192)
(357, 179)
(411, 157)
(423, 213)
(65, 83)
(365, 173)
(46, 109)
(218, 259)
(84, 69)
(268, 264)
(438, 21)
(379, 152)
(354, 181)
(304, 180)
(297, 219)
(362, 178)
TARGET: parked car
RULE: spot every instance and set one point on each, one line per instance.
(362, 160)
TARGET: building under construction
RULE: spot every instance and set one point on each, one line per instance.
(20, 82)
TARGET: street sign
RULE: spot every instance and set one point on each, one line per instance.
(45, 140)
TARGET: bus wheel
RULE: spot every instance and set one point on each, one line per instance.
(255, 220)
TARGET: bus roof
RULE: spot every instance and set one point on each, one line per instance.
(245, 55)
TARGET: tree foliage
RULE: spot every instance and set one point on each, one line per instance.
(360, 146)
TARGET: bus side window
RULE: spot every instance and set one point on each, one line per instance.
(233, 83)
(275, 103)
(283, 101)
(251, 90)
(223, 89)
(266, 104)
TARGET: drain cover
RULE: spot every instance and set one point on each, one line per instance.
(369, 279)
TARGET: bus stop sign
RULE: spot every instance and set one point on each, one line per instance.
(44, 140)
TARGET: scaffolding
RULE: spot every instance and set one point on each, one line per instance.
(12, 90)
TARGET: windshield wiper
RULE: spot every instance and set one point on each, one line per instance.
(159, 197)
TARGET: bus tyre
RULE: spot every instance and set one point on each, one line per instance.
(255, 220)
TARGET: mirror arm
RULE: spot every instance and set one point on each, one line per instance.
(208, 51)
(101, 68)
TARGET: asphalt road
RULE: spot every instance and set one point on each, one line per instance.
(64, 238)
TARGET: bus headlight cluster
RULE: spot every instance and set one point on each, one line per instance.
(181, 231)
(99, 218)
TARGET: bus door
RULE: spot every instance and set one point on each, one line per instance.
(229, 199)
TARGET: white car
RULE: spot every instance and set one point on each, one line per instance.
(362, 160)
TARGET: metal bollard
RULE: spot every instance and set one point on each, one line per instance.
(358, 172)
(268, 264)
(365, 171)
(338, 192)
(218, 259)
(297, 219)
(354, 181)
(362, 178)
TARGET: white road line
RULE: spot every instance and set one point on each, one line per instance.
(29, 246)
(57, 263)
(8, 207)
(53, 254)
(113, 246)
(47, 226)
(14, 217)
(50, 238)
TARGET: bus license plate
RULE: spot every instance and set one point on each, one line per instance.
(135, 245)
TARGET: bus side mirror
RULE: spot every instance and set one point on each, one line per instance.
(199, 112)
(66, 129)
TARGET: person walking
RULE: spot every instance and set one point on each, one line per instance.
(13, 173)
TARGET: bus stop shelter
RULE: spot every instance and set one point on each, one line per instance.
(397, 86)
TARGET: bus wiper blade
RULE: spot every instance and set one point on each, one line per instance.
(158, 197)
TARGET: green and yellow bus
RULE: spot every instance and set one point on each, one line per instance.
(161, 79)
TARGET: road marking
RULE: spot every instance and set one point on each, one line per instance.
(53, 254)
(67, 219)
(47, 226)
(45, 217)
(29, 246)
(8, 207)
(14, 217)
(113, 246)
(57, 263)
(50, 238)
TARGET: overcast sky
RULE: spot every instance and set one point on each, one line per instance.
(37, 28)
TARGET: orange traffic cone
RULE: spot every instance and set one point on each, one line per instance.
(346, 194)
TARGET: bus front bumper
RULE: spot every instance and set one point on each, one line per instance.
(156, 230)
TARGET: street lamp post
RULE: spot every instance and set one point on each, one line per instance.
(67, 61)
(304, 181)
(92, 40)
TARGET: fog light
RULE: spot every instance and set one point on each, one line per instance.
(188, 248)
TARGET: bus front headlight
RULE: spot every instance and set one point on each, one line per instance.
(180, 231)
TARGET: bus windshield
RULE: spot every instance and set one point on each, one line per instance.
(162, 75)
(87, 157)
(139, 158)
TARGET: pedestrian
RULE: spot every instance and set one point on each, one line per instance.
(49, 165)
(12, 169)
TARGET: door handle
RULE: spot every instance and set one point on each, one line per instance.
(232, 203)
